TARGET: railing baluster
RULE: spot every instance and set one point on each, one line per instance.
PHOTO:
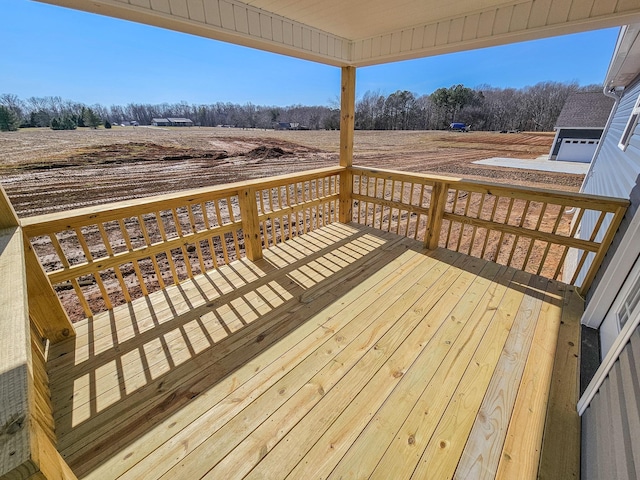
(543, 210)
(465, 214)
(516, 239)
(222, 237)
(154, 261)
(420, 201)
(453, 210)
(488, 232)
(475, 228)
(506, 222)
(287, 188)
(212, 250)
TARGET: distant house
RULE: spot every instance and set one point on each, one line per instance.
(180, 122)
(287, 126)
(580, 126)
(171, 122)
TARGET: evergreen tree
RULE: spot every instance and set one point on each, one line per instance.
(107, 124)
(91, 119)
(65, 123)
(68, 123)
(9, 121)
(80, 118)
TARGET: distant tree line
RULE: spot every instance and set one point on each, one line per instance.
(533, 108)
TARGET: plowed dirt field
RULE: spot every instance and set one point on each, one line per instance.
(44, 170)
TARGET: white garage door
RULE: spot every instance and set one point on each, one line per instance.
(577, 150)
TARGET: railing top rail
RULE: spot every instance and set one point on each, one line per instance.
(609, 204)
(41, 224)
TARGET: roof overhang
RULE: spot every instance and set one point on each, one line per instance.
(625, 63)
(368, 32)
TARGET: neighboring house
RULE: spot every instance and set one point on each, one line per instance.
(160, 122)
(580, 126)
(180, 122)
(287, 126)
(171, 122)
(610, 407)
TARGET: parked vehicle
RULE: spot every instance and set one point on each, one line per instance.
(460, 127)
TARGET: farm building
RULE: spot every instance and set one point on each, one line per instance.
(580, 126)
(160, 122)
(172, 122)
(343, 322)
(180, 122)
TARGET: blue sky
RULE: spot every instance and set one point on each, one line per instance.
(49, 50)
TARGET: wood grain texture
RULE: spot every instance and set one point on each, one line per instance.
(484, 444)
(347, 119)
(16, 377)
(521, 452)
(337, 354)
(8, 217)
(560, 454)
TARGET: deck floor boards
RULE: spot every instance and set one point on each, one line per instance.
(345, 353)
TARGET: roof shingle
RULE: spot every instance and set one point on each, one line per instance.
(585, 110)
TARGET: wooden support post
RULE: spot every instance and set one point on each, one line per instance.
(26, 448)
(436, 212)
(250, 223)
(45, 308)
(347, 118)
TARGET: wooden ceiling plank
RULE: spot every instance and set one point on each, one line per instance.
(485, 25)
(580, 9)
(266, 30)
(196, 10)
(539, 13)
(456, 29)
(471, 23)
(559, 12)
(520, 17)
(212, 13)
(240, 18)
(502, 21)
(179, 8)
(161, 6)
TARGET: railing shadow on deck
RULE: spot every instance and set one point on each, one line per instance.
(116, 393)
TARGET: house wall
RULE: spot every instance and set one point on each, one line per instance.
(601, 179)
(611, 424)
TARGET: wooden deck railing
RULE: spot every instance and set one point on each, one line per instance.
(107, 255)
(528, 228)
(111, 254)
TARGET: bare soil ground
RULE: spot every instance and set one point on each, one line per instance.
(44, 170)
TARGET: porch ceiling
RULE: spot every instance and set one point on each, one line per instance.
(367, 32)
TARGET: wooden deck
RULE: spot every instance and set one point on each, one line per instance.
(345, 353)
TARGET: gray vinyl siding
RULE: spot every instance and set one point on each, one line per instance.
(614, 172)
(611, 423)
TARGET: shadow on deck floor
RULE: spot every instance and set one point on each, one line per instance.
(345, 353)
